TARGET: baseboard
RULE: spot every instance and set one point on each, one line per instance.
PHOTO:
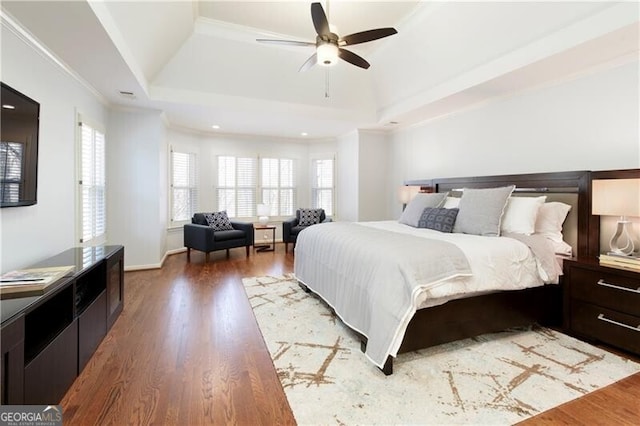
(174, 251)
(155, 265)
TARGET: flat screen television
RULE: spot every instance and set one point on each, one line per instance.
(19, 123)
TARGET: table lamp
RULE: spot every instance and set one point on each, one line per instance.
(263, 213)
(406, 194)
(617, 197)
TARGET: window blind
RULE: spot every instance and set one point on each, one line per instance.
(278, 185)
(237, 185)
(92, 185)
(184, 188)
(322, 185)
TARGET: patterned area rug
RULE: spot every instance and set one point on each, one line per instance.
(499, 378)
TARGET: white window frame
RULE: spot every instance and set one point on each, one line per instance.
(190, 187)
(278, 209)
(250, 189)
(316, 187)
(91, 153)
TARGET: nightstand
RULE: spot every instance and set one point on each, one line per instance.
(265, 247)
(602, 303)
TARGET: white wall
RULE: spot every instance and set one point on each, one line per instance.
(590, 123)
(137, 185)
(33, 233)
(363, 181)
(347, 177)
(373, 177)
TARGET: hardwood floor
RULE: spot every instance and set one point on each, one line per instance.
(187, 350)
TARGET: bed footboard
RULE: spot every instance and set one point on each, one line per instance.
(464, 318)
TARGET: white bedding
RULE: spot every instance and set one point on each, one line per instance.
(497, 264)
(330, 265)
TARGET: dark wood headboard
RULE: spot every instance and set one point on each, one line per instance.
(578, 182)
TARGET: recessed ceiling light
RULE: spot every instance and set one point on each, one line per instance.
(215, 126)
(7, 106)
(304, 134)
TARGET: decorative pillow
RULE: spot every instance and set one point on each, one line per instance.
(550, 218)
(439, 219)
(411, 214)
(309, 217)
(451, 202)
(481, 211)
(520, 214)
(219, 221)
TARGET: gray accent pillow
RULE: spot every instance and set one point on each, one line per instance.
(219, 221)
(438, 219)
(413, 211)
(309, 217)
(481, 211)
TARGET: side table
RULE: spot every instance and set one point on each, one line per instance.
(602, 303)
(266, 247)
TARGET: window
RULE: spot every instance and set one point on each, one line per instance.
(92, 191)
(11, 180)
(237, 183)
(322, 185)
(278, 185)
(184, 189)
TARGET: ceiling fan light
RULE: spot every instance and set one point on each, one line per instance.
(327, 54)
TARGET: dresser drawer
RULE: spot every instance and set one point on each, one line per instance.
(606, 325)
(615, 291)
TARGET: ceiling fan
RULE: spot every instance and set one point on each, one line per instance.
(329, 46)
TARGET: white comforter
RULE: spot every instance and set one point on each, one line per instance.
(345, 273)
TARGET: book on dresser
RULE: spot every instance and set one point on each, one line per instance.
(625, 262)
(31, 282)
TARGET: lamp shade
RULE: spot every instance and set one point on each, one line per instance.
(263, 209)
(616, 197)
(406, 193)
(327, 54)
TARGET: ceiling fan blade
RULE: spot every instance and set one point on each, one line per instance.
(352, 58)
(309, 63)
(365, 36)
(319, 19)
(285, 42)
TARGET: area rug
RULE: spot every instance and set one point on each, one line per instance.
(499, 378)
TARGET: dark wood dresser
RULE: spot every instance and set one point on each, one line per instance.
(602, 304)
(47, 340)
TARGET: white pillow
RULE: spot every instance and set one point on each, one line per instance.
(550, 218)
(451, 202)
(520, 214)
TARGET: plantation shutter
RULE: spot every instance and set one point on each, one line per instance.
(237, 182)
(278, 185)
(322, 185)
(184, 188)
(92, 183)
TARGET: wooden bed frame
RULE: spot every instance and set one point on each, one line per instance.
(473, 316)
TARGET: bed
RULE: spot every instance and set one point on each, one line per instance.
(364, 273)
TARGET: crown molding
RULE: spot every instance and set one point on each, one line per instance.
(12, 25)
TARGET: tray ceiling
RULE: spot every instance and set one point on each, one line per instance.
(199, 62)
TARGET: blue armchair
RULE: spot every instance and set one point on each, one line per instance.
(291, 228)
(198, 235)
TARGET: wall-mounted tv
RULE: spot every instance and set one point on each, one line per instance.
(19, 122)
